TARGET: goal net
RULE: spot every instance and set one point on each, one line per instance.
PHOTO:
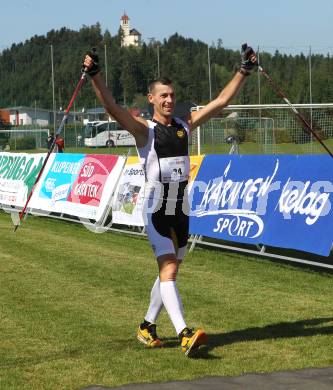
(264, 129)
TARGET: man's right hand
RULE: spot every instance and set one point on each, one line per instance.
(91, 63)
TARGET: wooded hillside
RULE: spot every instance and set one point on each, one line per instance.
(25, 70)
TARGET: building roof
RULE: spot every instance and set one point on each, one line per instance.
(124, 17)
(97, 110)
(25, 108)
(134, 32)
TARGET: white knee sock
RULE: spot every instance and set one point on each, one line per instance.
(156, 303)
(173, 304)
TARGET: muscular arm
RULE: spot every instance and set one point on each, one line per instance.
(248, 62)
(216, 105)
(138, 127)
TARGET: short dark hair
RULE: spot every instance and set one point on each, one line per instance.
(160, 80)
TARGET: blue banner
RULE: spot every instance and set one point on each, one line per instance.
(58, 183)
(282, 201)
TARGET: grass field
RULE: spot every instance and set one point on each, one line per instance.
(120, 150)
(71, 301)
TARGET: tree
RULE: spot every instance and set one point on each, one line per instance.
(25, 70)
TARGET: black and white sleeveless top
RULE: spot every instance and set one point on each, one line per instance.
(165, 157)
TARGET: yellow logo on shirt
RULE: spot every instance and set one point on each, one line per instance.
(181, 133)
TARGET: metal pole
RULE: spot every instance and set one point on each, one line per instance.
(259, 96)
(106, 82)
(310, 91)
(209, 75)
(310, 78)
(199, 141)
(36, 123)
(53, 93)
(259, 91)
(106, 66)
(210, 94)
(75, 126)
(65, 132)
(158, 61)
(95, 126)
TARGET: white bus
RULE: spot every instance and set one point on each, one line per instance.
(106, 133)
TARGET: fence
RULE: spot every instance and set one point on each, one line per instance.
(247, 129)
(23, 139)
(264, 129)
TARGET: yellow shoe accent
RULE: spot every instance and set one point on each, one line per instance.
(149, 337)
(191, 341)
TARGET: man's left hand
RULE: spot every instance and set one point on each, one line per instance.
(248, 58)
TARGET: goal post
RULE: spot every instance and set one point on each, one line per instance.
(264, 129)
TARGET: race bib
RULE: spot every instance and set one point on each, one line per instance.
(174, 169)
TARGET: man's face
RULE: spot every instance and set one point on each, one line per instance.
(162, 97)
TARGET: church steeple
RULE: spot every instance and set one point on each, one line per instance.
(124, 24)
(130, 37)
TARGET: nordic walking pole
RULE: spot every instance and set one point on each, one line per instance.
(295, 111)
(62, 124)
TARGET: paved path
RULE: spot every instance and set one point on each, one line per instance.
(309, 379)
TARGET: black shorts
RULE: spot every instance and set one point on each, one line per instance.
(170, 218)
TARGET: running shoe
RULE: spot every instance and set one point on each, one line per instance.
(191, 341)
(148, 336)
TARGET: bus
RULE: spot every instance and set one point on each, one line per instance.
(106, 133)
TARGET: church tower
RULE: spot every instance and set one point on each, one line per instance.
(130, 36)
(124, 24)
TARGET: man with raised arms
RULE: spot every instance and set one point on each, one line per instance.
(162, 145)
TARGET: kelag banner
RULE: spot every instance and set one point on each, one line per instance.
(78, 184)
(18, 172)
(282, 201)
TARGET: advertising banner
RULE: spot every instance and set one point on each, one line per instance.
(18, 173)
(129, 196)
(128, 200)
(78, 184)
(195, 164)
(282, 201)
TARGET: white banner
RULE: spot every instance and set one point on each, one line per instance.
(127, 207)
(78, 184)
(128, 199)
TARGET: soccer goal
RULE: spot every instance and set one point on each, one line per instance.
(23, 139)
(264, 129)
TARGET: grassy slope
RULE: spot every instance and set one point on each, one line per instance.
(71, 300)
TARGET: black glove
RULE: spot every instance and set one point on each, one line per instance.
(95, 67)
(246, 64)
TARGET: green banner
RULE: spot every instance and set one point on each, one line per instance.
(18, 173)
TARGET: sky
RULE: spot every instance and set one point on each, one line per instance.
(291, 26)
